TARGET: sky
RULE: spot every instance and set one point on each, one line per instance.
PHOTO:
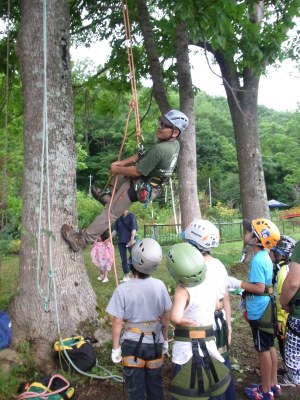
(279, 90)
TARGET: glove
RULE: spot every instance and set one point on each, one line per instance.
(165, 347)
(234, 283)
(116, 355)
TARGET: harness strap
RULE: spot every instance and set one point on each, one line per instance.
(138, 347)
(197, 364)
(187, 334)
(208, 360)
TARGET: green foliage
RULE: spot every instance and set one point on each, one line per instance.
(88, 208)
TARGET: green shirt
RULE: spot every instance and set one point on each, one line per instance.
(160, 160)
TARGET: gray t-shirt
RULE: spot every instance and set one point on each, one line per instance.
(140, 300)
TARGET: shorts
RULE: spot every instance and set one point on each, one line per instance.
(262, 341)
(292, 350)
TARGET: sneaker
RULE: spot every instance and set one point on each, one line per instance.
(255, 393)
(73, 238)
(105, 280)
(100, 277)
(285, 380)
(125, 279)
(275, 389)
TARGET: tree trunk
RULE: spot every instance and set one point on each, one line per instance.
(187, 163)
(242, 102)
(60, 272)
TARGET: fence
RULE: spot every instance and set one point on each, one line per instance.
(229, 231)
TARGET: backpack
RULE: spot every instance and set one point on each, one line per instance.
(56, 384)
(80, 351)
(5, 330)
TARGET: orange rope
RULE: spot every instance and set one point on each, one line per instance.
(134, 101)
(133, 106)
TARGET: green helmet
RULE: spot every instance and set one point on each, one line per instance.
(186, 264)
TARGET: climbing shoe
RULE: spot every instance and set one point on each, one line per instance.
(73, 238)
(103, 196)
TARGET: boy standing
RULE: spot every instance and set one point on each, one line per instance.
(260, 234)
(140, 310)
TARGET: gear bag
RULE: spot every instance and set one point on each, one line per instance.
(201, 377)
(80, 351)
(56, 384)
(5, 330)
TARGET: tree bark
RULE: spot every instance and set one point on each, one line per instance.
(75, 301)
(242, 101)
(187, 163)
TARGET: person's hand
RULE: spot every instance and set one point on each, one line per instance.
(234, 283)
(165, 347)
(116, 355)
(131, 243)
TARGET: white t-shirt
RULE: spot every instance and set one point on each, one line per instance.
(201, 309)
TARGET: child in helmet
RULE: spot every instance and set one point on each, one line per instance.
(280, 256)
(140, 309)
(261, 234)
(193, 316)
(205, 236)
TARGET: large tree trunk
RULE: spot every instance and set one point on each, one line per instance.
(242, 102)
(187, 167)
(187, 163)
(59, 267)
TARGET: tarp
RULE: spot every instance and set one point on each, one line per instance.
(276, 204)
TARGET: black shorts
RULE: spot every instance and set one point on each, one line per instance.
(262, 341)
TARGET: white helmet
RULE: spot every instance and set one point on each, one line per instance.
(146, 255)
(202, 234)
(178, 119)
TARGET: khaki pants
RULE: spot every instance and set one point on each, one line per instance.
(120, 203)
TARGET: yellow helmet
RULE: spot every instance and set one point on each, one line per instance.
(266, 231)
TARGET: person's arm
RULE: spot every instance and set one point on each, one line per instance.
(227, 308)
(127, 171)
(165, 319)
(117, 325)
(127, 161)
(180, 302)
(290, 285)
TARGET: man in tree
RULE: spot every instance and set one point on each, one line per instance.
(139, 178)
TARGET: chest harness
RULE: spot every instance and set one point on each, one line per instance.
(143, 329)
(202, 376)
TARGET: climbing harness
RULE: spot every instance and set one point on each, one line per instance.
(202, 376)
(268, 321)
(151, 328)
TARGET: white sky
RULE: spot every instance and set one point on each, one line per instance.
(279, 90)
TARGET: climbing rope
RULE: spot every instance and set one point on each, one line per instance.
(134, 102)
(51, 271)
(133, 106)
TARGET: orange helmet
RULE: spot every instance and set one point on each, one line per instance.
(266, 231)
